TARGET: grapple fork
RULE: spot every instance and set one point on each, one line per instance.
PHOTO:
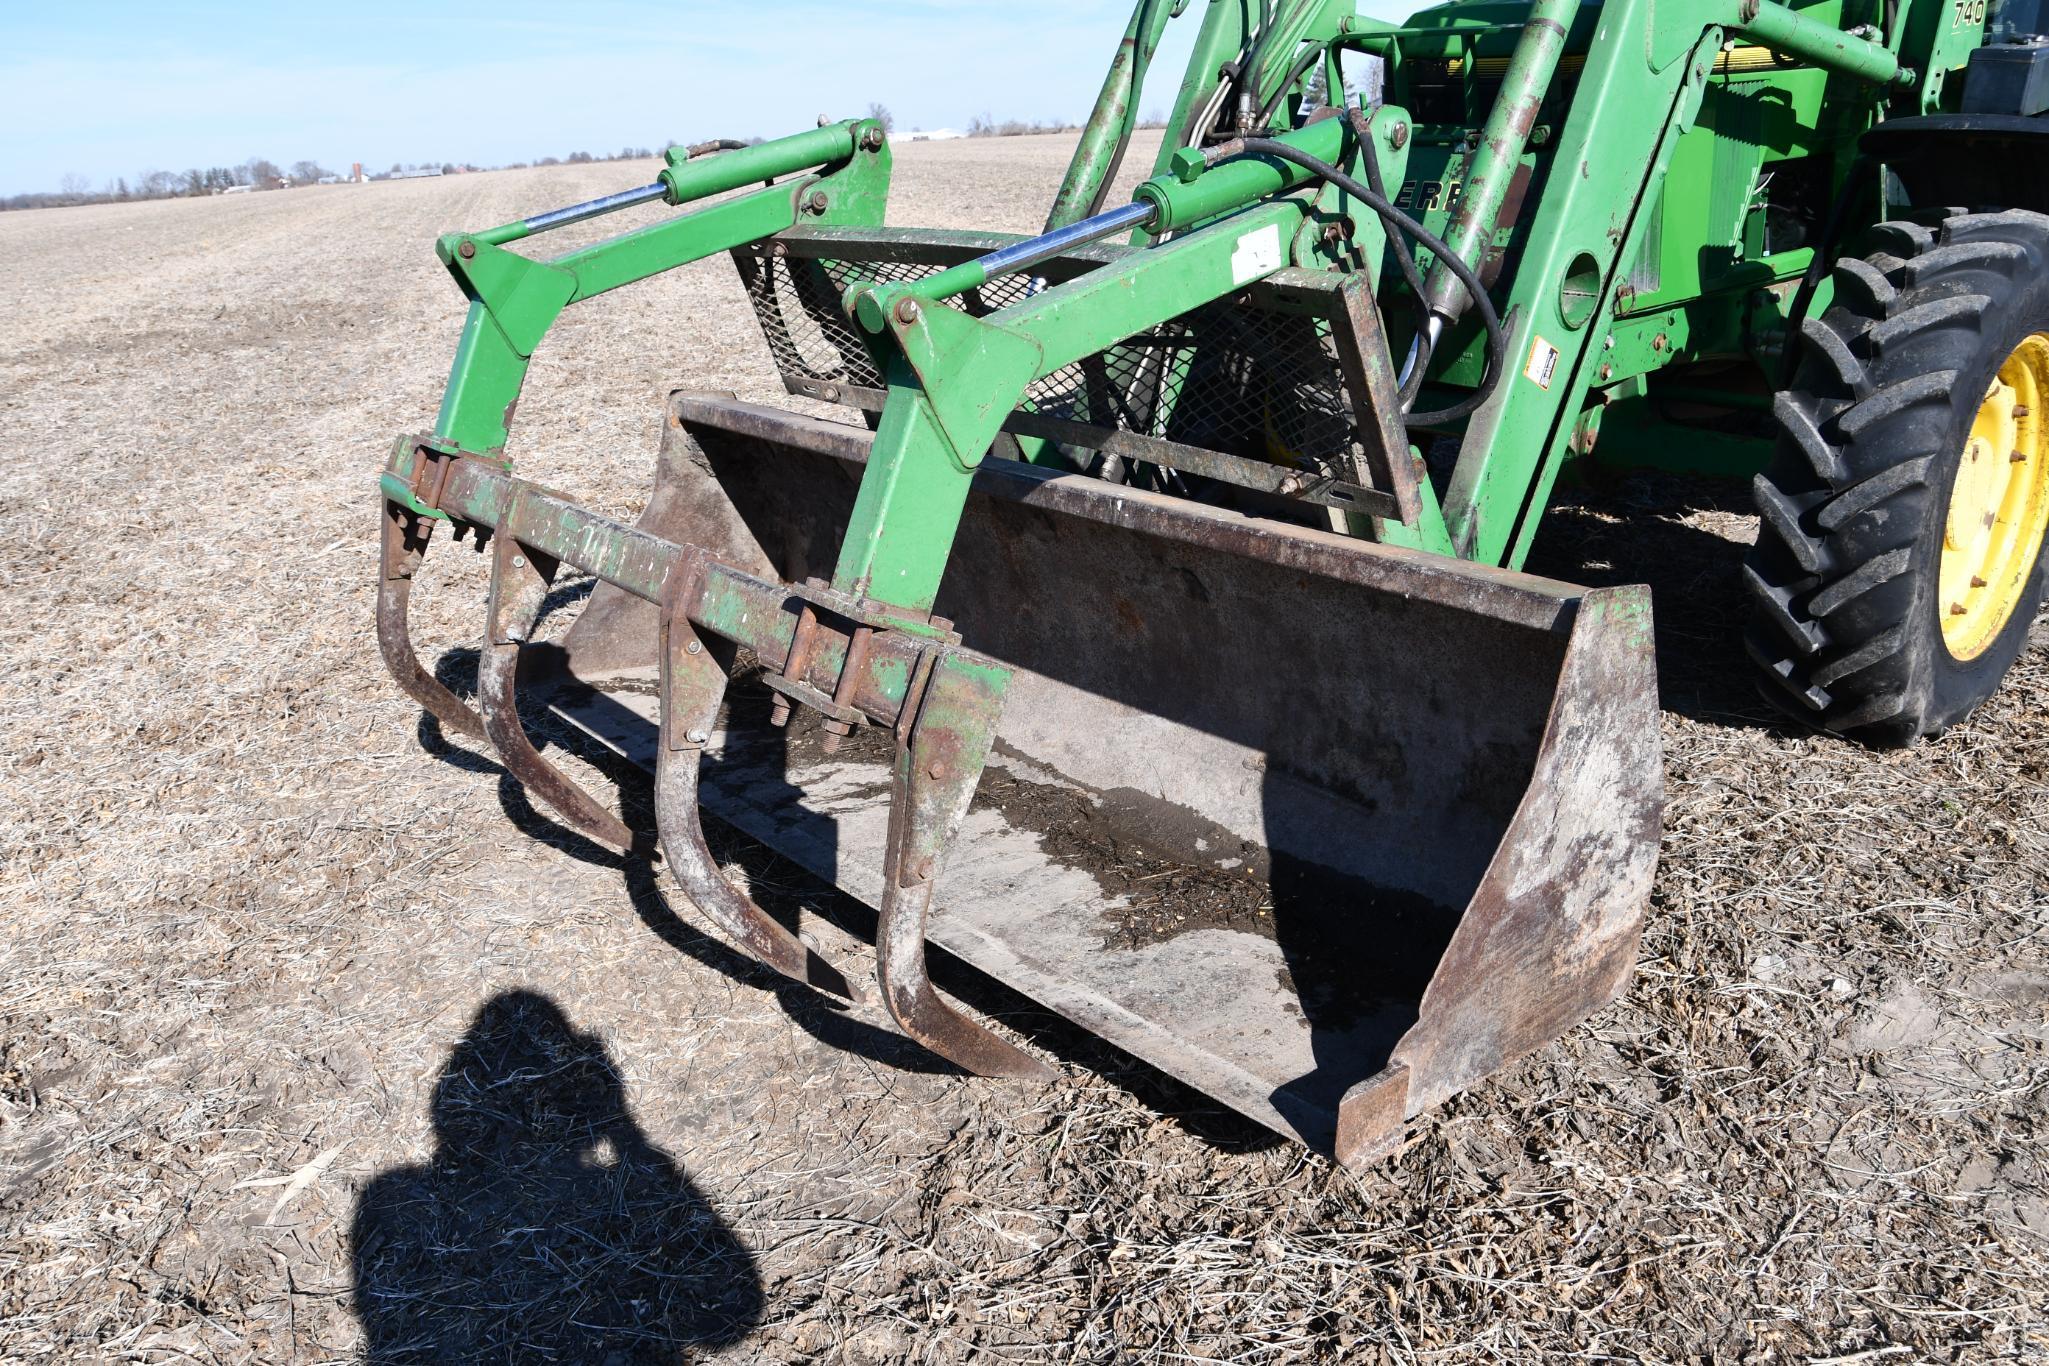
(404, 536)
(693, 685)
(520, 578)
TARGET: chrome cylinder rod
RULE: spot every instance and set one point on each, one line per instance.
(575, 213)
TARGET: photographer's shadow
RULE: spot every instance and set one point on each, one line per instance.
(545, 1226)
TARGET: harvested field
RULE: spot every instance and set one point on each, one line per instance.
(318, 1040)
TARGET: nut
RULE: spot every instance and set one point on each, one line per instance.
(907, 311)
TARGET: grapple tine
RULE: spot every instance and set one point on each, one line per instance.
(404, 538)
(519, 586)
(939, 760)
(693, 684)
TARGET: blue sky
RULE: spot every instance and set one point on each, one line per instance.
(105, 88)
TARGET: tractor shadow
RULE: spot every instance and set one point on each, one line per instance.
(544, 1225)
(788, 892)
(1686, 537)
(785, 891)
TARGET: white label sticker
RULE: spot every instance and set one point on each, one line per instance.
(1258, 253)
(1543, 364)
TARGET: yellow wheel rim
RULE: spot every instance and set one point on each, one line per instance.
(1998, 506)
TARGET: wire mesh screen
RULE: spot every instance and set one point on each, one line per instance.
(1244, 378)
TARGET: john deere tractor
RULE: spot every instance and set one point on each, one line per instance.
(1194, 526)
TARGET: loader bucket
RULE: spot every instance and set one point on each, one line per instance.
(1326, 829)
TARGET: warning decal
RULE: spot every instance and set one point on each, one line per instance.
(1543, 364)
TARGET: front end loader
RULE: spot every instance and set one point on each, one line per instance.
(1192, 528)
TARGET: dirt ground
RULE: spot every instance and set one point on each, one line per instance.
(319, 1042)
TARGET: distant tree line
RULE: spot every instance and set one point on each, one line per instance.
(982, 126)
(260, 173)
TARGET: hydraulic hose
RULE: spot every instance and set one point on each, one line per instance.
(1404, 258)
(1818, 268)
(1497, 338)
(1295, 73)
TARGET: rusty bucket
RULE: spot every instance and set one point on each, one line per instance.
(1328, 830)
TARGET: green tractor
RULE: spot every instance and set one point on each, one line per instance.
(1192, 529)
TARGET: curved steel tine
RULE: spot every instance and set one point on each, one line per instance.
(519, 586)
(937, 768)
(405, 537)
(693, 683)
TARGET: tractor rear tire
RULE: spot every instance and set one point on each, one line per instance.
(1890, 595)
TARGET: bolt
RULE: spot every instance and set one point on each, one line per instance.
(817, 201)
(936, 771)
(1957, 609)
(697, 737)
(1332, 233)
(779, 712)
(2018, 458)
(2020, 410)
(1977, 582)
(907, 311)
(872, 140)
(466, 250)
(519, 561)
(1607, 372)
(1608, 344)
(1398, 136)
(1540, 135)
(1659, 342)
(694, 647)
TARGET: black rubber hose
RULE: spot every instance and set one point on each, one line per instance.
(1497, 339)
(1824, 260)
(1295, 73)
(1404, 258)
(1255, 60)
